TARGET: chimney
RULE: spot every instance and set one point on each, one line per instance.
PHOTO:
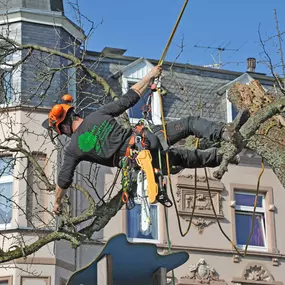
(251, 64)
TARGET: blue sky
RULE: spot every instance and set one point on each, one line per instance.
(143, 28)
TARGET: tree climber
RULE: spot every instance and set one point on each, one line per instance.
(99, 138)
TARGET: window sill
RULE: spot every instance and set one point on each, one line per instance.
(141, 240)
(4, 227)
(7, 106)
(134, 121)
(206, 250)
(253, 248)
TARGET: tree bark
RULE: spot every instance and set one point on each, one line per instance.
(264, 132)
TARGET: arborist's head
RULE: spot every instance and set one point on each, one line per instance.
(61, 116)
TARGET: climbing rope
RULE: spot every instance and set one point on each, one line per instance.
(183, 234)
(164, 130)
(216, 217)
(172, 33)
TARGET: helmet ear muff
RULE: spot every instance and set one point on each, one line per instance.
(58, 114)
(69, 118)
(61, 113)
(67, 99)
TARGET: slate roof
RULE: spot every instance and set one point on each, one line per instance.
(190, 94)
(191, 90)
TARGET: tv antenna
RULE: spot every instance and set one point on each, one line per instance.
(220, 49)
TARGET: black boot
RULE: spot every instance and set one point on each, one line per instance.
(163, 199)
(235, 160)
(230, 129)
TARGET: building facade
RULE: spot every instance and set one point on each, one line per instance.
(190, 90)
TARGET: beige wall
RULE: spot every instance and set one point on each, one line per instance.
(35, 141)
(240, 175)
(211, 244)
(43, 262)
(227, 269)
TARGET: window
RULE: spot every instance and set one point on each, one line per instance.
(6, 88)
(6, 183)
(231, 110)
(243, 216)
(25, 280)
(134, 231)
(135, 113)
(6, 280)
(37, 197)
(6, 79)
(131, 74)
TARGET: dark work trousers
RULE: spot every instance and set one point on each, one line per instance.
(180, 129)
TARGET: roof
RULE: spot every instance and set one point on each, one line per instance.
(191, 90)
(118, 55)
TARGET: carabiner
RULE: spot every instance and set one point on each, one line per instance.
(125, 197)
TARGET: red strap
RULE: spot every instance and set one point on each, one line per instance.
(137, 130)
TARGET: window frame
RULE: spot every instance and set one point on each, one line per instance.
(229, 108)
(7, 69)
(45, 278)
(241, 209)
(6, 66)
(7, 278)
(7, 179)
(269, 216)
(159, 223)
(37, 198)
(125, 86)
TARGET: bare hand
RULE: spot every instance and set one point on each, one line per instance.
(57, 208)
(156, 71)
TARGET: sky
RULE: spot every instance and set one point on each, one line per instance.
(143, 28)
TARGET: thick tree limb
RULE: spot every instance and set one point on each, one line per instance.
(261, 116)
(272, 152)
(104, 213)
(265, 110)
(19, 252)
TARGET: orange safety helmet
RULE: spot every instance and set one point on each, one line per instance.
(58, 113)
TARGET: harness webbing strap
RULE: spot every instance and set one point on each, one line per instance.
(160, 134)
(138, 130)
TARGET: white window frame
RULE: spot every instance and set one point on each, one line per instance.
(155, 103)
(7, 66)
(259, 210)
(6, 179)
(134, 72)
(229, 109)
(9, 279)
(159, 219)
(125, 85)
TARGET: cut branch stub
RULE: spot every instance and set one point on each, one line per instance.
(263, 133)
(265, 112)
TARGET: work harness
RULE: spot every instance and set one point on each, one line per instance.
(137, 169)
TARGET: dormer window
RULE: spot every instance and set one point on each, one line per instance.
(131, 74)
